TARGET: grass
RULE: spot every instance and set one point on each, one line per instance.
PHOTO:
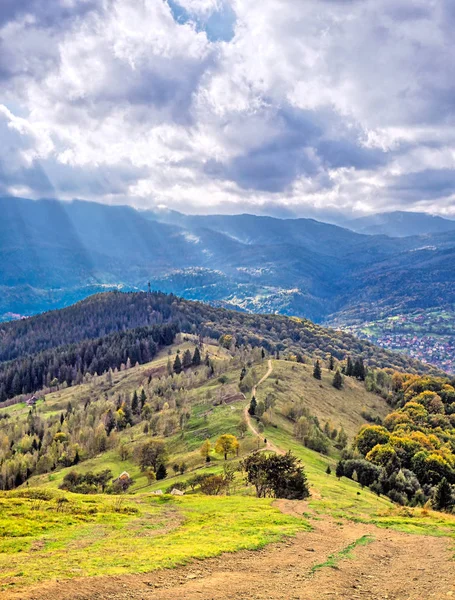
(98, 535)
(41, 538)
(333, 560)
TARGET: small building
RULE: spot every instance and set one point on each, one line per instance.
(31, 401)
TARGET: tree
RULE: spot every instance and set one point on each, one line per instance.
(260, 409)
(443, 497)
(349, 367)
(143, 398)
(161, 472)
(331, 363)
(205, 450)
(278, 476)
(339, 470)
(252, 407)
(262, 353)
(226, 444)
(176, 468)
(317, 373)
(150, 474)
(242, 427)
(328, 470)
(213, 485)
(337, 380)
(152, 454)
(196, 357)
(187, 359)
(359, 370)
(177, 365)
(135, 403)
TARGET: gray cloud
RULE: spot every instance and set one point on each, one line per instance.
(309, 109)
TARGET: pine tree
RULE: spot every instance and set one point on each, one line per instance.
(349, 367)
(242, 373)
(161, 472)
(328, 470)
(187, 359)
(143, 398)
(252, 408)
(177, 365)
(443, 498)
(337, 380)
(196, 357)
(262, 353)
(135, 403)
(331, 363)
(317, 373)
(359, 370)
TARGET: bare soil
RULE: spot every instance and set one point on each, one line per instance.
(395, 566)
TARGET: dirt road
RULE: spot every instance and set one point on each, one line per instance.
(394, 566)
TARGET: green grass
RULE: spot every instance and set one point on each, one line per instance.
(333, 560)
(97, 535)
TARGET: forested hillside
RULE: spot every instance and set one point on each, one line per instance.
(56, 253)
(109, 329)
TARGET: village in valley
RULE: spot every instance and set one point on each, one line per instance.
(428, 336)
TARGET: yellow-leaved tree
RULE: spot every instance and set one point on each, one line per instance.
(226, 444)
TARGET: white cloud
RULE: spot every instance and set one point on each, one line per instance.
(315, 104)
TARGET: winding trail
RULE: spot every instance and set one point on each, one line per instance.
(269, 445)
(393, 566)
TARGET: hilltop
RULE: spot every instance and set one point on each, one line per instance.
(105, 330)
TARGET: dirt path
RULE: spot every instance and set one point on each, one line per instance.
(394, 566)
(269, 445)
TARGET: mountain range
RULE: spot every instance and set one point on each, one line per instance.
(54, 253)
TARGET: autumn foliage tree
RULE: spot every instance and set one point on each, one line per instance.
(226, 444)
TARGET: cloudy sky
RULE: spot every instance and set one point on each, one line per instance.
(279, 106)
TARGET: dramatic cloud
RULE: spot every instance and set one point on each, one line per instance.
(282, 106)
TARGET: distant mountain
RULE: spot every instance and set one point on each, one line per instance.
(54, 253)
(401, 224)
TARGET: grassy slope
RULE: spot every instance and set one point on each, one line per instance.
(203, 525)
(291, 382)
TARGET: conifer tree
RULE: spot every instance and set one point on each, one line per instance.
(337, 380)
(443, 498)
(331, 363)
(196, 357)
(317, 373)
(252, 408)
(135, 403)
(187, 359)
(161, 472)
(349, 367)
(359, 369)
(143, 398)
(177, 365)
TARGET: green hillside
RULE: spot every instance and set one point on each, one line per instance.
(70, 534)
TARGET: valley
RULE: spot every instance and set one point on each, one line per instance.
(295, 267)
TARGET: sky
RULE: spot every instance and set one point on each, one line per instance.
(281, 107)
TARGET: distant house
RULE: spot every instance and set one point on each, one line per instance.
(31, 401)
